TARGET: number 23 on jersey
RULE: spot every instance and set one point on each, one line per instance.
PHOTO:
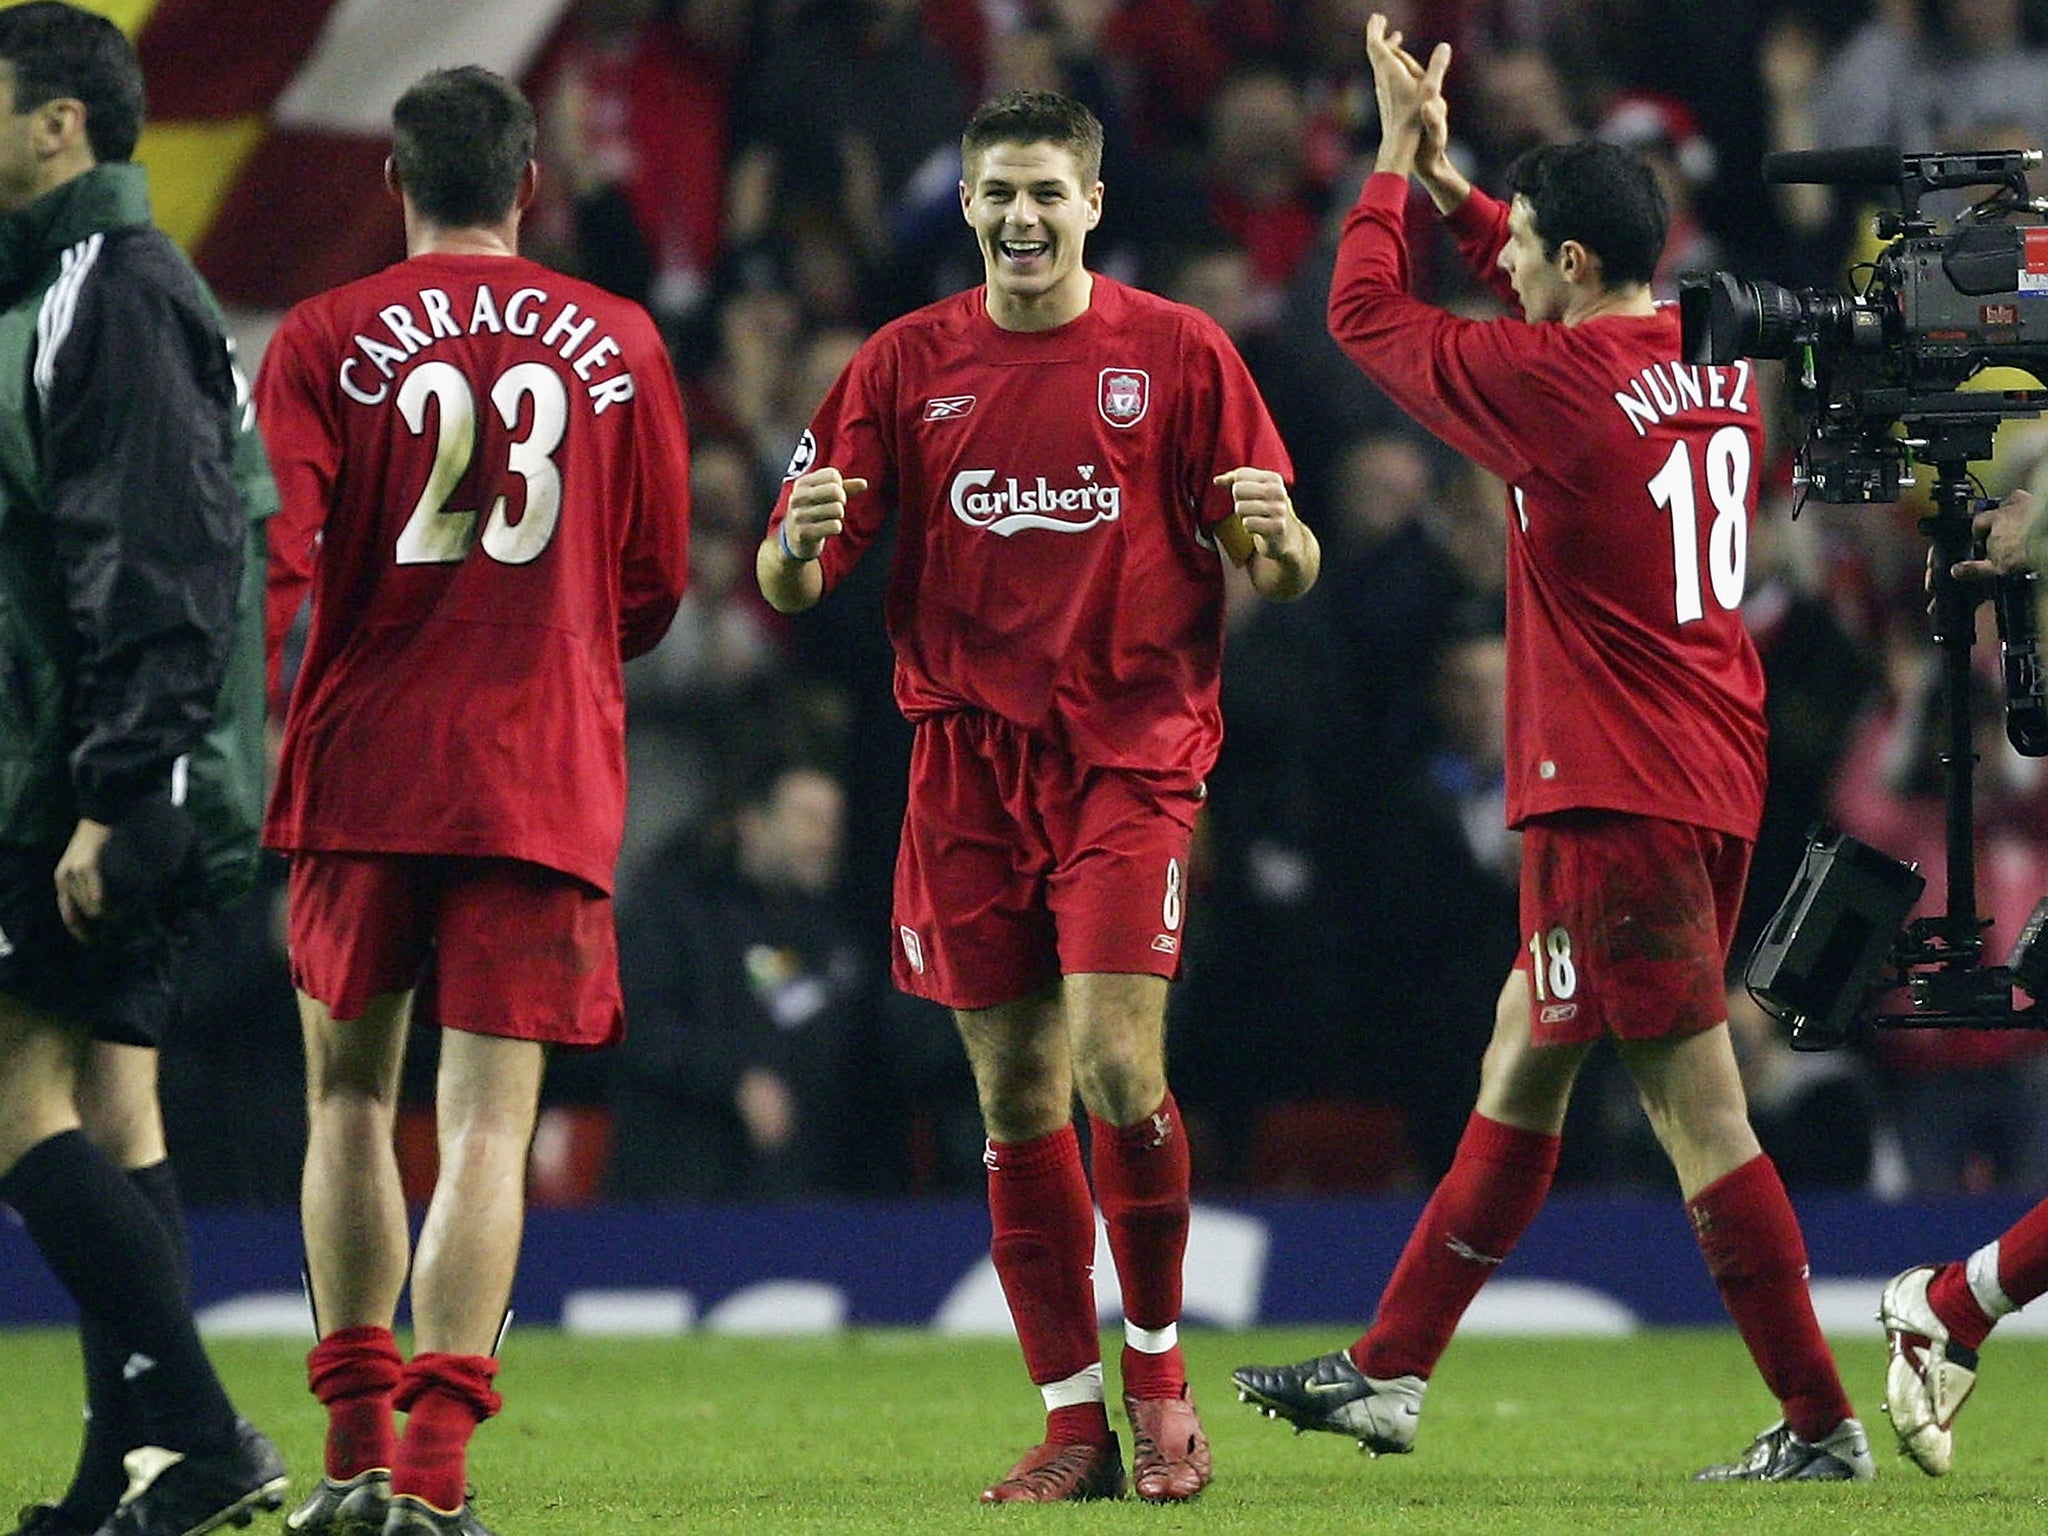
(439, 534)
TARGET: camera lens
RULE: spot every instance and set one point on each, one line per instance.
(1773, 315)
(1724, 317)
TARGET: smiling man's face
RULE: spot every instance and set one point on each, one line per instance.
(1031, 215)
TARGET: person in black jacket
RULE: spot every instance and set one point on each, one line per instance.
(130, 752)
(742, 978)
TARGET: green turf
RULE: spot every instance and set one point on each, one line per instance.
(894, 1433)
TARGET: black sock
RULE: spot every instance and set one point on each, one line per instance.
(105, 1242)
(111, 1429)
(112, 1420)
(159, 1186)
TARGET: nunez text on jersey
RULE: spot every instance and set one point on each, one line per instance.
(1667, 389)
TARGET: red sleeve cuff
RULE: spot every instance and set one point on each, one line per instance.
(1384, 189)
(1473, 217)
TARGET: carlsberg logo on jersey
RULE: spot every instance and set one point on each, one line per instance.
(1011, 507)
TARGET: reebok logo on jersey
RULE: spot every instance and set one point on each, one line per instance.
(1558, 1013)
(1122, 394)
(913, 949)
(947, 407)
(1166, 944)
(1012, 507)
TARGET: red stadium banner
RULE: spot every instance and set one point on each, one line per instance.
(268, 124)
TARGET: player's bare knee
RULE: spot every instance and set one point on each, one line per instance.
(485, 1143)
(1121, 1087)
(1024, 1110)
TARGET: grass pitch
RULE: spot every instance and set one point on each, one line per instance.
(895, 1433)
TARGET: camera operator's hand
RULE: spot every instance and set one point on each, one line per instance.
(2004, 532)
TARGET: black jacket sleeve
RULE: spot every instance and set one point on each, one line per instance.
(136, 395)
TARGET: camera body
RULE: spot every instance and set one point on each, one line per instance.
(1878, 376)
(1935, 308)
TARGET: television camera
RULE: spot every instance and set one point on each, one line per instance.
(1876, 374)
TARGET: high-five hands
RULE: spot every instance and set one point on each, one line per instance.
(1414, 118)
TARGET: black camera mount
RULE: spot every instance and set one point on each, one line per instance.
(1878, 375)
(1839, 943)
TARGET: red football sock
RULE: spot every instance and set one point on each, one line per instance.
(354, 1373)
(1949, 1294)
(444, 1397)
(1078, 1424)
(1043, 1245)
(2018, 1266)
(2023, 1257)
(1496, 1184)
(1141, 1181)
(1757, 1257)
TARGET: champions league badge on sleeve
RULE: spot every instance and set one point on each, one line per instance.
(804, 458)
(1123, 394)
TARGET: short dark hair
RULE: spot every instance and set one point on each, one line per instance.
(57, 51)
(461, 139)
(1036, 117)
(1601, 195)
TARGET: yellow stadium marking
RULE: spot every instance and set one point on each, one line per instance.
(128, 15)
(191, 167)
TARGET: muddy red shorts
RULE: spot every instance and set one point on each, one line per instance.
(519, 950)
(1019, 865)
(1626, 924)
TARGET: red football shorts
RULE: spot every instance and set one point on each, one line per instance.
(1626, 924)
(519, 950)
(1019, 865)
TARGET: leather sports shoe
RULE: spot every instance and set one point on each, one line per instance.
(170, 1494)
(1169, 1452)
(1779, 1456)
(1330, 1393)
(354, 1506)
(48, 1520)
(413, 1516)
(1056, 1474)
(1930, 1375)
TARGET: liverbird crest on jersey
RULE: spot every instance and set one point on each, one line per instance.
(1123, 394)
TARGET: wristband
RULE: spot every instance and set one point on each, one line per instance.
(782, 533)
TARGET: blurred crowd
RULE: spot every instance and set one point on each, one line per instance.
(774, 178)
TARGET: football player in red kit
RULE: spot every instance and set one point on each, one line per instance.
(1069, 462)
(1937, 1316)
(485, 481)
(1635, 747)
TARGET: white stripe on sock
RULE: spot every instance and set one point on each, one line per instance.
(1981, 1270)
(1151, 1341)
(1084, 1386)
